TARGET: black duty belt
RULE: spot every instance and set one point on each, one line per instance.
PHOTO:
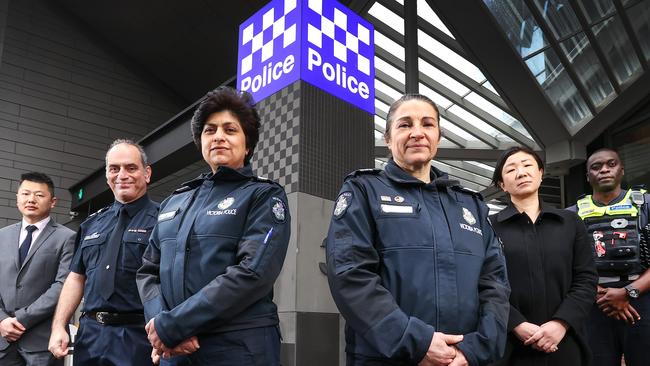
(610, 279)
(106, 318)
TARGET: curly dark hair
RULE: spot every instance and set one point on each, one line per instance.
(240, 104)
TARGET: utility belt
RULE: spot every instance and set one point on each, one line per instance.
(611, 279)
(106, 318)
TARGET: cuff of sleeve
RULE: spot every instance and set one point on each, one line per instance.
(514, 319)
(21, 316)
(165, 328)
(423, 334)
(469, 355)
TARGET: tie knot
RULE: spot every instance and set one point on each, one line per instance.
(31, 228)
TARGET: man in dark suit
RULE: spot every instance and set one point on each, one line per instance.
(34, 261)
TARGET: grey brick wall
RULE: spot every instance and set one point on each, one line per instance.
(65, 94)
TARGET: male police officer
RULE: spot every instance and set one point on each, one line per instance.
(619, 322)
(110, 244)
(36, 254)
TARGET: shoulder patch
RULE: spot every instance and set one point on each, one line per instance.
(279, 209)
(98, 211)
(342, 204)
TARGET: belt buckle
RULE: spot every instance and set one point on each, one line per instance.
(100, 316)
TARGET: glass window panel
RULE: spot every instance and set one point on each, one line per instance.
(447, 125)
(496, 112)
(518, 24)
(425, 12)
(388, 45)
(389, 69)
(481, 165)
(380, 123)
(379, 135)
(489, 86)
(617, 47)
(559, 16)
(387, 17)
(392, 93)
(597, 9)
(640, 18)
(444, 79)
(590, 72)
(381, 106)
(559, 88)
(441, 101)
(478, 123)
(449, 56)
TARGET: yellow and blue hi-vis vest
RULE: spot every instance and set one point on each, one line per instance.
(615, 232)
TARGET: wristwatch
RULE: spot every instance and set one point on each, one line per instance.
(632, 292)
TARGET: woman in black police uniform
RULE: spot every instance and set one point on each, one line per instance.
(207, 276)
(413, 265)
(550, 267)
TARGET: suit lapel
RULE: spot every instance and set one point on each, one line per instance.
(12, 242)
(42, 237)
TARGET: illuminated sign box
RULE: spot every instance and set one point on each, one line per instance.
(319, 41)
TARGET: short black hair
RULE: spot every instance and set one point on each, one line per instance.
(606, 149)
(240, 104)
(497, 176)
(38, 177)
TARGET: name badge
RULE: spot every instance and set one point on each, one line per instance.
(167, 215)
(91, 236)
(396, 209)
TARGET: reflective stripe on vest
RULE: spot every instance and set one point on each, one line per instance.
(625, 207)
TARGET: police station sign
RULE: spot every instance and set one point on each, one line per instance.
(319, 41)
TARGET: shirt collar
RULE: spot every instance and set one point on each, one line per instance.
(613, 202)
(39, 225)
(511, 211)
(397, 174)
(226, 173)
(132, 208)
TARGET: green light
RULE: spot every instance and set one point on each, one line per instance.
(80, 194)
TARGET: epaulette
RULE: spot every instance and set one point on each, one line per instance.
(99, 211)
(581, 196)
(459, 188)
(188, 186)
(364, 171)
(638, 187)
(266, 180)
(445, 182)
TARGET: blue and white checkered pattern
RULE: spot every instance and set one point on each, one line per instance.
(345, 35)
(263, 37)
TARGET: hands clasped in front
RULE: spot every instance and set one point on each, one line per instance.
(615, 304)
(186, 347)
(544, 338)
(443, 351)
(11, 329)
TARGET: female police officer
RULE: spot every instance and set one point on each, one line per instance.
(207, 276)
(413, 265)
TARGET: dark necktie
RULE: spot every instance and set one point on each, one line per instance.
(108, 263)
(24, 247)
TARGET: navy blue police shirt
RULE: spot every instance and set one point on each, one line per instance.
(91, 243)
(214, 256)
(406, 259)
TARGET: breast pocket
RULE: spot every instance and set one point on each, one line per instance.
(401, 226)
(134, 246)
(91, 250)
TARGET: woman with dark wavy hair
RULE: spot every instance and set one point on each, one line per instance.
(208, 273)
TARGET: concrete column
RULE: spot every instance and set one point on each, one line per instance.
(309, 142)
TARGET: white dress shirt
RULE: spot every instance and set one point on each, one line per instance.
(39, 229)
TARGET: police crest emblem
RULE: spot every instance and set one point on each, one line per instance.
(225, 203)
(468, 216)
(342, 204)
(278, 209)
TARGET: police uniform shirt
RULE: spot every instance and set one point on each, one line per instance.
(91, 243)
(214, 255)
(407, 259)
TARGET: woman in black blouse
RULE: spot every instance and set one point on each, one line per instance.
(550, 268)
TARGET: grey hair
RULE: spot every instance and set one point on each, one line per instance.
(143, 155)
